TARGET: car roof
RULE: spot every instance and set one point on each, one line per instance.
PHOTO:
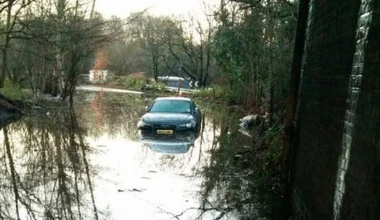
(174, 98)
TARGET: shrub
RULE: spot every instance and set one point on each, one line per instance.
(13, 90)
(131, 82)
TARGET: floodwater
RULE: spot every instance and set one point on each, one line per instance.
(90, 162)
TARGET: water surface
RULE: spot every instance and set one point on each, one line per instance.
(88, 162)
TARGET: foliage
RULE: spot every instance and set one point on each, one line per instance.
(215, 92)
(135, 83)
(150, 34)
(252, 45)
(14, 91)
(244, 48)
(245, 175)
(162, 45)
(124, 58)
(131, 82)
(50, 43)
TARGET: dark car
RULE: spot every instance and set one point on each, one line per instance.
(168, 115)
(178, 143)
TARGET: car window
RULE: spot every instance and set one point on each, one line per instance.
(176, 106)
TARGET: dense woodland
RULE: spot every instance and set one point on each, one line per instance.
(242, 47)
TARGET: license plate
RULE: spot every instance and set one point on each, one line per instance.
(164, 131)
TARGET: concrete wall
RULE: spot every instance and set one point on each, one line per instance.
(336, 154)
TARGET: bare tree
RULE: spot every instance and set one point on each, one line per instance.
(151, 33)
(57, 42)
(12, 8)
(192, 46)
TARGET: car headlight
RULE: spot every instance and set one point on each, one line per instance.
(190, 124)
(142, 123)
(187, 125)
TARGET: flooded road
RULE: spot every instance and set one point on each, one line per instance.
(103, 89)
(89, 162)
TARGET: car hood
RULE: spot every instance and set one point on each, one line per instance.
(166, 117)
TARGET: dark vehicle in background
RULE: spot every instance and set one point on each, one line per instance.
(179, 143)
(169, 115)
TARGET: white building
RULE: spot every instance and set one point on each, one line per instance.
(98, 75)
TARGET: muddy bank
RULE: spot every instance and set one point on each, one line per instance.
(10, 108)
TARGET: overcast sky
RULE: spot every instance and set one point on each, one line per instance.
(122, 8)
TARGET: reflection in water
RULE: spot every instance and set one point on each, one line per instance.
(45, 171)
(237, 180)
(178, 143)
(90, 162)
(110, 113)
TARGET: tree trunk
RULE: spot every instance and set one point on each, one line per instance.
(92, 9)
(59, 72)
(6, 45)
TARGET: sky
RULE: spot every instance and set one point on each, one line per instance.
(122, 8)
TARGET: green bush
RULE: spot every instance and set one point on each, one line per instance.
(131, 82)
(13, 90)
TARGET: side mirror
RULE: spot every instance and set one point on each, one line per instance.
(146, 108)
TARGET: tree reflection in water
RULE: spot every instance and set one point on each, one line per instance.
(237, 182)
(45, 172)
(112, 113)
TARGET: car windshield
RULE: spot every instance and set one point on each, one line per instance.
(174, 106)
